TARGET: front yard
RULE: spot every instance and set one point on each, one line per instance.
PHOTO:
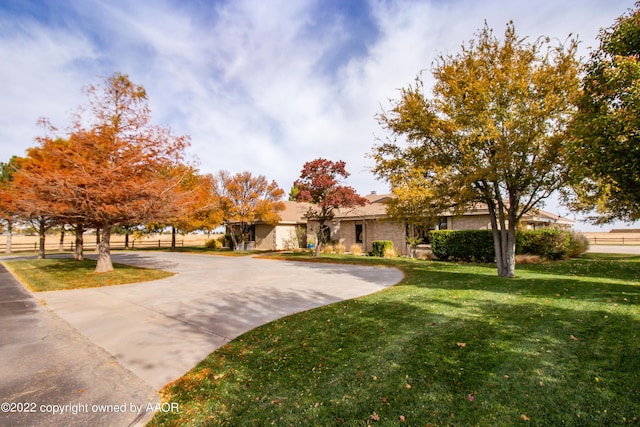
(452, 344)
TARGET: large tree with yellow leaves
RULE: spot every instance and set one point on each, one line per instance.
(492, 132)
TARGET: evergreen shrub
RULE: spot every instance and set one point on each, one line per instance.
(380, 247)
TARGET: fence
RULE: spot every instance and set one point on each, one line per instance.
(618, 240)
(51, 246)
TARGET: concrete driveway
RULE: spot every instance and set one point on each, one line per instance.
(159, 330)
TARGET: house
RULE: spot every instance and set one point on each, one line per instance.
(290, 233)
(364, 224)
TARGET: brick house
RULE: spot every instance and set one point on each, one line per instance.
(362, 225)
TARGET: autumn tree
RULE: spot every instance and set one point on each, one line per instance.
(319, 184)
(8, 196)
(492, 132)
(33, 182)
(605, 149)
(37, 182)
(195, 205)
(245, 200)
(112, 170)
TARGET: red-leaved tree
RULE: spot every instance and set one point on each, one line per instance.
(319, 184)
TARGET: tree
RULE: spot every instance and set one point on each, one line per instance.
(605, 149)
(7, 197)
(245, 200)
(319, 185)
(492, 133)
(114, 169)
(195, 205)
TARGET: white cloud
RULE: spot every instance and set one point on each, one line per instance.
(40, 78)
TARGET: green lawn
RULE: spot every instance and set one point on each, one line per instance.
(452, 344)
(55, 274)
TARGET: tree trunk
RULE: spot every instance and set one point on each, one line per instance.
(319, 239)
(9, 236)
(126, 239)
(42, 235)
(234, 239)
(173, 238)
(78, 250)
(98, 231)
(104, 264)
(61, 245)
(504, 241)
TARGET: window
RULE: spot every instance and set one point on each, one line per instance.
(442, 223)
(418, 231)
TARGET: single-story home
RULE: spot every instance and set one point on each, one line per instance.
(362, 225)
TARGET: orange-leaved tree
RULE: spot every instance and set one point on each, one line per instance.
(245, 200)
(8, 211)
(113, 168)
(319, 185)
(194, 203)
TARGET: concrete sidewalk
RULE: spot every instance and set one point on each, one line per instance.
(47, 367)
(159, 330)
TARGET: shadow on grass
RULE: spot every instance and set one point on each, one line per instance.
(428, 352)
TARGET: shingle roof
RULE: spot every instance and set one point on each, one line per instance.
(376, 208)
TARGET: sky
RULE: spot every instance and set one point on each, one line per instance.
(259, 85)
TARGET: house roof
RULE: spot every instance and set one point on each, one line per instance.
(294, 212)
(377, 209)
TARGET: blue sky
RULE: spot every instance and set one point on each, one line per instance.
(259, 85)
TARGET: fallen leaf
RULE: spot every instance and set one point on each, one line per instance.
(470, 397)
(461, 344)
(408, 386)
(524, 417)
(375, 417)
(403, 418)
(574, 338)
(507, 377)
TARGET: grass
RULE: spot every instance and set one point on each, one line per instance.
(452, 344)
(56, 274)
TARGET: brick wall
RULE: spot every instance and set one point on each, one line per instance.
(471, 222)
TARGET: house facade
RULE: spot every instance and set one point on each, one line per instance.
(364, 224)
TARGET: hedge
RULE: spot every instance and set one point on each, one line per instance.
(547, 243)
(379, 247)
(477, 245)
(463, 245)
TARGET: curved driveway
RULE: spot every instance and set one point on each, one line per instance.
(159, 330)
